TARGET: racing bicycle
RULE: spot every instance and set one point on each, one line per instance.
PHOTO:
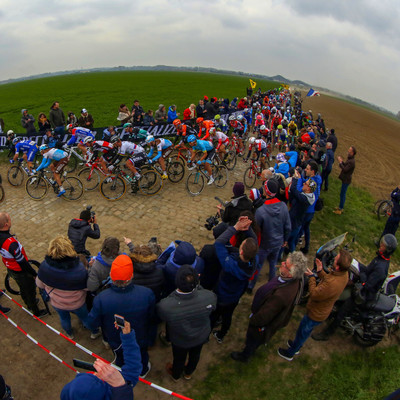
(252, 173)
(196, 180)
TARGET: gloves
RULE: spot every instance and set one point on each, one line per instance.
(150, 161)
(111, 167)
(65, 146)
(12, 161)
(199, 162)
(33, 171)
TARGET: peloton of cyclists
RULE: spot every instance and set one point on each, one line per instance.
(223, 141)
(78, 136)
(260, 149)
(162, 145)
(106, 148)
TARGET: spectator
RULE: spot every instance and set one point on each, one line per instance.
(347, 169)
(57, 118)
(237, 268)
(273, 305)
(72, 120)
(5, 390)
(332, 139)
(327, 165)
(108, 383)
(27, 121)
(99, 271)
(160, 115)
(187, 314)
(86, 120)
(190, 113)
(43, 123)
(321, 300)
(233, 104)
(224, 107)
(148, 118)
(210, 108)
(256, 198)
(124, 116)
(4, 310)
(172, 114)
(242, 104)
(1, 125)
(16, 262)
(137, 113)
(392, 222)
(136, 303)
(80, 229)
(108, 133)
(64, 278)
(200, 109)
(51, 139)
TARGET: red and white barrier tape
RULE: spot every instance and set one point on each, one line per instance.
(84, 349)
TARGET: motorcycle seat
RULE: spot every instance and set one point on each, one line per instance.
(382, 304)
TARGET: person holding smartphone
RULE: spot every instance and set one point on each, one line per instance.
(107, 383)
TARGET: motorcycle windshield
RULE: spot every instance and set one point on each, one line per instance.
(332, 244)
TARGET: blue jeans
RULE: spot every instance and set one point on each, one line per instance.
(293, 239)
(272, 256)
(343, 191)
(303, 332)
(65, 318)
(306, 229)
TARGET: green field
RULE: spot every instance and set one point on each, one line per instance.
(101, 93)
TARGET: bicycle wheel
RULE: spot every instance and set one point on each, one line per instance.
(36, 187)
(175, 171)
(10, 284)
(72, 164)
(249, 178)
(90, 178)
(195, 183)
(113, 188)
(2, 193)
(15, 175)
(73, 187)
(230, 160)
(220, 174)
(150, 183)
(385, 209)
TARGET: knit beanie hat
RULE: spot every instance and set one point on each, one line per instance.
(271, 187)
(85, 386)
(254, 194)
(183, 281)
(121, 268)
(238, 189)
(185, 253)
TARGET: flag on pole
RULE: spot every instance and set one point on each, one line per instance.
(253, 84)
(285, 86)
(312, 93)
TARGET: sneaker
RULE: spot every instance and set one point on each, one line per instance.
(284, 353)
(238, 356)
(164, 176)
(290, 344)
(106, 345)
(144, 374)
(187, 377)
(61, 193)
(95, 335)
(5, 310)
(338, 212)
(70, 335)
(42, 313)
(163, 339)
(218, 339)
(211, 180)
(168, 368)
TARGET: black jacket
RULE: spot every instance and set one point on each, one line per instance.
(148, 274)
(78, 231)
(235, 207)
(373, 276)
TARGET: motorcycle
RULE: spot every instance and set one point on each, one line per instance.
(368, 322)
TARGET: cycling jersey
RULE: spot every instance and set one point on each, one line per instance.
(49, 156)
(222, 125)
(203, 145)
(28, 147)
(222, 139)
(129, 148)
(282, 135)
(13, 254)
(206, 125)
(161, 145)
(78, 134)
(102, 145)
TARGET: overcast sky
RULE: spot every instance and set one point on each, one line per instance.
(350, 46)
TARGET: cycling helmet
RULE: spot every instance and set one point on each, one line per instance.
(199, 120)
(16, 140)
(149, 139)
(69, 126)
(259, 116)
(246, 110)
(176, 122)
(281, 157)
(10, 133)
(88, 139)
(191, 139)
(390, 243)
(252, 140)
(217, 117)
(127, 125)
(280, 127)
(240, 117)
(114, 139)
(263, 128)
(212, 131)
(232, 118)
(43, 147)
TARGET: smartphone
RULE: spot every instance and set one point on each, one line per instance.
(119, 320)
(84, 365)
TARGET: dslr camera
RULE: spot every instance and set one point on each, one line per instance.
(211, 222)
(92, 213)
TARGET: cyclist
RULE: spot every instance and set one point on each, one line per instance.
(51, 139)
(208, 151)
(78, 135)
(259, 122)
(282, 136)
(29, 150)
(182, 130)
(260, 148)
(293, 131)
(127, 130)
(60, 159)
(97, 146)
(162, 146)
(241, 119)
(223, 141)
(221, 124)
(204, 125)
(248, 115)
(265, 134)
(238, 129)
(136, 154)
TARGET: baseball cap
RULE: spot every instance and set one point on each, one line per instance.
(83, 111)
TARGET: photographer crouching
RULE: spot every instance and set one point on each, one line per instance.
(81, 228)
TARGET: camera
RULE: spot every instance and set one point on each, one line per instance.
(92, 213)
(211, 222)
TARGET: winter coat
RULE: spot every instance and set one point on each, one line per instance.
(78, 231)
(317, 178)
(99, 272)
(347, 168)
(56, 117)
(172, 115)
(232, 211)
(300, 202)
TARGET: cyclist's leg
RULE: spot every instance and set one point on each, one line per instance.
(131, 166)
(103, 166)
(82, 148)
(30, 158)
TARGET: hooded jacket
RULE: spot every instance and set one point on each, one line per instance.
(99, 272)
(172, 115)
(347, 168)
(235, 207)
(160, 115)
(78, 231)
(317, 178)
(300, 202)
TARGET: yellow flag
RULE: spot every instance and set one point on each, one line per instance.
(285, 86)
(252, 84)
